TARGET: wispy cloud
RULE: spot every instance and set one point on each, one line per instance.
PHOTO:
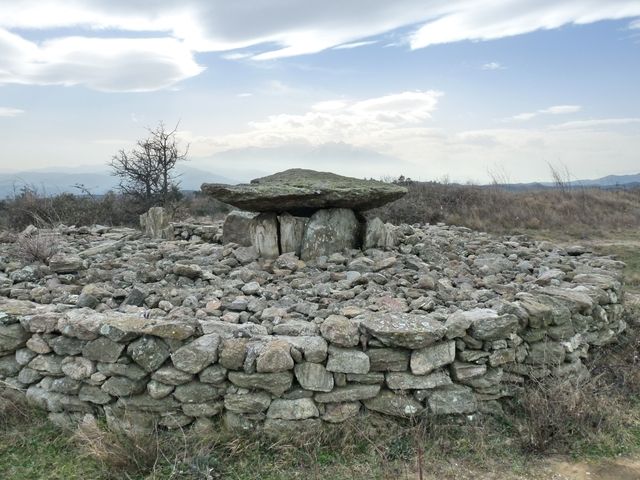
(595, 123)
(355, 44)
(10, 112)
(554, 110)
(493, 66)
(273, 29)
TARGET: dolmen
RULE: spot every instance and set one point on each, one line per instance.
(306, 212)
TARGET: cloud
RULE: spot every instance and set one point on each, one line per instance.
(500, 19)
(554, 110)
(595, 123)
(274, 29)
(10, 112)
(493, 66)
(355, 44)
(106, 64)
(381, 123)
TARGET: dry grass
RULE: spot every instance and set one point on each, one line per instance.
(580, 210)
(37, 247)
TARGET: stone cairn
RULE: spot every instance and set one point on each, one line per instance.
(143, 332)
(306, 212)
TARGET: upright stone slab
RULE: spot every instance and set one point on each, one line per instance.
(155, 224)
(263, 231)
(377, 234)
(236, 228)
(330, 231)
(291, 232)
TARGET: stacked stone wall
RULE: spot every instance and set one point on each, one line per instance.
(444, 344)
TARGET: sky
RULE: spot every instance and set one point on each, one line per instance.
(463, 90)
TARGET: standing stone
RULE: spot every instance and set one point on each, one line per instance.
(291, 232)
(330, 231)
(236, 228)
(377, 234)
(155, 223)
(263, 231)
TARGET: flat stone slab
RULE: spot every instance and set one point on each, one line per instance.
(402, 329)
(304, 191)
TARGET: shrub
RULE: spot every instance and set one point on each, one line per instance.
(38, 246)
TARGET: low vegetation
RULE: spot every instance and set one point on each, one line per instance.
(581, 212)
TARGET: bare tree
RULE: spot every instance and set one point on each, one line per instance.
(146, 173)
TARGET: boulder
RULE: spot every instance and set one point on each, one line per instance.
(300, 191)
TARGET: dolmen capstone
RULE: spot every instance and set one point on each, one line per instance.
(306, 212)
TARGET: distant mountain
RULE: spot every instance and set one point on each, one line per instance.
(97, 182)
(610, 181)
(327, 156)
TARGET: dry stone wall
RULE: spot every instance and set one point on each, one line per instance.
(175, 333)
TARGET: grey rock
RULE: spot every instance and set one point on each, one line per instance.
(171, 376)
(155, 223)
(340, 412)
(102, 350)
(388, 359)
(236, 228)
(299, 409)
(348, 393)
(340, 331)
(123, 386)
(198, 354)
(298, 190)
(252, 402)
(291, 232)
(77, 368)
(12, 337)
(345, 360)
(452, 399)
(61, 263)
(263, 231)
(402, 329)
(196, 392)
(429, 358)
(314, 377)
(486, 324)
(149, 352)
(407, 381)
(275, 357)
(329, 231)
(393, 404)
(275, 383)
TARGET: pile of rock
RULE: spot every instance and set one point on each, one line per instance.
(306, 212)
(172, 332)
